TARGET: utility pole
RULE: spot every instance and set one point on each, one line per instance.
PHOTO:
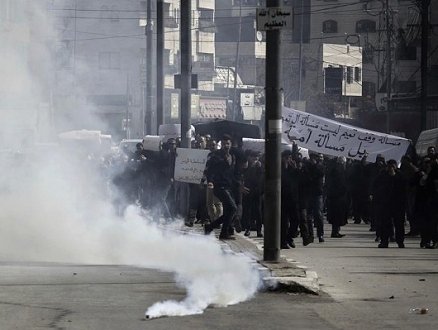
(75, 83)
(300, 64)
(148, 33)
(424, 51)
(236, 69)
(186, 85)
(388, 67)
(160, 67)
(127, 115)
(186, 72)
(273, 124)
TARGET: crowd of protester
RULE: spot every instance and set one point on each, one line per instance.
(383, 194)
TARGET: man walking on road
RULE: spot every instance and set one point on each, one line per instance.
(389, 196)
(316, 199)
(221, 177)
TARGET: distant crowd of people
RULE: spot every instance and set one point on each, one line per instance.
(382, 194)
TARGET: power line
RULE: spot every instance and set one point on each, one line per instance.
(325, 8)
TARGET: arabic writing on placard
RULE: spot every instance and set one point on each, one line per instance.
(190, 165)
(333, 138)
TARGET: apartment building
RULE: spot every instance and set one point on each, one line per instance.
(362, 24)
(85, 61)
(240, 52)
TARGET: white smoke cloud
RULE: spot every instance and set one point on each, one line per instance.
(52, 210)
(55, 208)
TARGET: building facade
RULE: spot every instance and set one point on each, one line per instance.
(102, 60)
(83, 64)
(368, 24)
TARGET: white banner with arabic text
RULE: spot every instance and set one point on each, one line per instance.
(329, 137)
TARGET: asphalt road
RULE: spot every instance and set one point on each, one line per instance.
(362, 287)
(372, 288)
(63, 296)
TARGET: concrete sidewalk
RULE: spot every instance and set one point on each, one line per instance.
(285, 275)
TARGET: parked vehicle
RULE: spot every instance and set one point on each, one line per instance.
(426, 139)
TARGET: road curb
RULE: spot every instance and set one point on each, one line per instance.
(287, 275)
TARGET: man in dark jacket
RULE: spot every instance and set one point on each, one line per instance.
(337, 196)
(221, 177)
(289, 199)
(389, 195)
(164, 164)
(372, 171)
(252, 202)
(429, 184)
(316, 198)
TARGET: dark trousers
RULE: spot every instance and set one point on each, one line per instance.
(160, 206)
(202, 212)
(229, 209)
(193, 202)
(428, 225)
(304, 225)
(315, 216)
(238, 199)
(359, 204)
(290, 218)
(390, 221)
(252, 211)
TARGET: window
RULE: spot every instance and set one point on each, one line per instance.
(206, 15)
(170, 21)
(330, 26)
(405, 53)
(368, 89)
(206, 20)
(333, 80)
(367, 55)
(357, 74)
(246, 2)
(108, 60)
(405, 86)
(349, 74)
(204, 57)
(166, 56)
(365, 25)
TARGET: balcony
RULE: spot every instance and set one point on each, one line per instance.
(170, 22)
(207, 26)
(202, 66)
(170, 69)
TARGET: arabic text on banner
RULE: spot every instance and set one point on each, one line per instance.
(333, 138)
(190, 165)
